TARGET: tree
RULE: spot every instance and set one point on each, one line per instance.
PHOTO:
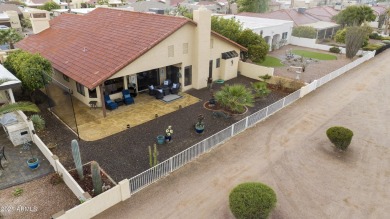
(234, 97)
(232, 29)
(354, 39)
(355, 15)
(10, 37)
(229, 28)
(305, 32)
(25, 23)
(31, 69)
(256, 6)
(252, 200)
(11, 107)
(257, 47)
(49, 6)
(102, 2)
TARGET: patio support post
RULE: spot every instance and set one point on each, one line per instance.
(125, 82)
(102, 100)
(11, 95)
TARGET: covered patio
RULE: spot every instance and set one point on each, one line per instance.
(92, 125)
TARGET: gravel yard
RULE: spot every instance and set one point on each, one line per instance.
(39, 199)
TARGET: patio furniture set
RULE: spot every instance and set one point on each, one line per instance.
(165, 89)
(113, 104)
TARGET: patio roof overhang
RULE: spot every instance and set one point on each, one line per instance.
(14, 81)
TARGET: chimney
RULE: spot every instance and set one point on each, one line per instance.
(39, 20)
(202, 17)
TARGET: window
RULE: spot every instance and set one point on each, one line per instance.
(66, 78)
(80, 88)
(284, 35)
(211, 43)
(113, 86)
(185, 48)
(170, 51)
(92, 93)
(188, 75)
(217, 63)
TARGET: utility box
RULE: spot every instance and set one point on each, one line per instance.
(16, 129)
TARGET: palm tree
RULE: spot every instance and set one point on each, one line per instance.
(10, 36)
(11, 107)
(234, 97)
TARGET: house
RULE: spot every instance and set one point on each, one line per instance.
(319, 18)
(275, 32)
(10, 16)
(108, 50)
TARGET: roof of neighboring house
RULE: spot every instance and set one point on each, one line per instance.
(10, 7)
(91, 48)
(321, 25)
(379, 9)
(37, 1)
(311, 15)
(144, 6)
(323, 13)
(256, 22)
(5, 74)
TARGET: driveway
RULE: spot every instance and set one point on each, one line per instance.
(291, 153)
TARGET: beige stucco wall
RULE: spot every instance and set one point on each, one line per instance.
(254, 71)
(14, 20)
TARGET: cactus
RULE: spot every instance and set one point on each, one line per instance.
(153, 156)
(77, 158)
(96, 178)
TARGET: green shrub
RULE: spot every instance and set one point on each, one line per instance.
(341, 137)
(372, 47)
(260, 89)
(386, 41)
(305, 32)
(335, 49)
(386, 38)
(375, 36)
(340, 35)
(38, 121)
(252, 200)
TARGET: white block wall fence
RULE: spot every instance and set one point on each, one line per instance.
(123, 191)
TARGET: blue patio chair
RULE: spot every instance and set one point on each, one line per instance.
(127, 99)
(175, 88)
(111, 105)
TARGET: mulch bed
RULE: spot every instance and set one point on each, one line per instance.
(86, 184)
(125, 154)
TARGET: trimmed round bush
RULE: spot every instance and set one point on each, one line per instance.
(335, 50)
(252, 200)
(341, 137)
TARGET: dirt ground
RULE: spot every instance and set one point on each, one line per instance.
(314, 70)
(291, 153)
(40, 199)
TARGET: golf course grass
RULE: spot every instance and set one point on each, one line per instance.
(314, 55)
(271, 62)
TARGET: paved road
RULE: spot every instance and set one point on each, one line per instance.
(291, 153)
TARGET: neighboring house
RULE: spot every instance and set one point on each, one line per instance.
(38, 3)
(10, 16)
(378, 11)
(108, 50)
(149, 6)
(317, 17)
(275, 32)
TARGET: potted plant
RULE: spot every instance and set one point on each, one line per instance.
(199, 126)
(32, 162)
(168, 134)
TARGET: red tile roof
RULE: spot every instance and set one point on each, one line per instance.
(93, 47)
(311, 15)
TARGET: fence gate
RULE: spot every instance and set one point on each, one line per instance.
(61, 102)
